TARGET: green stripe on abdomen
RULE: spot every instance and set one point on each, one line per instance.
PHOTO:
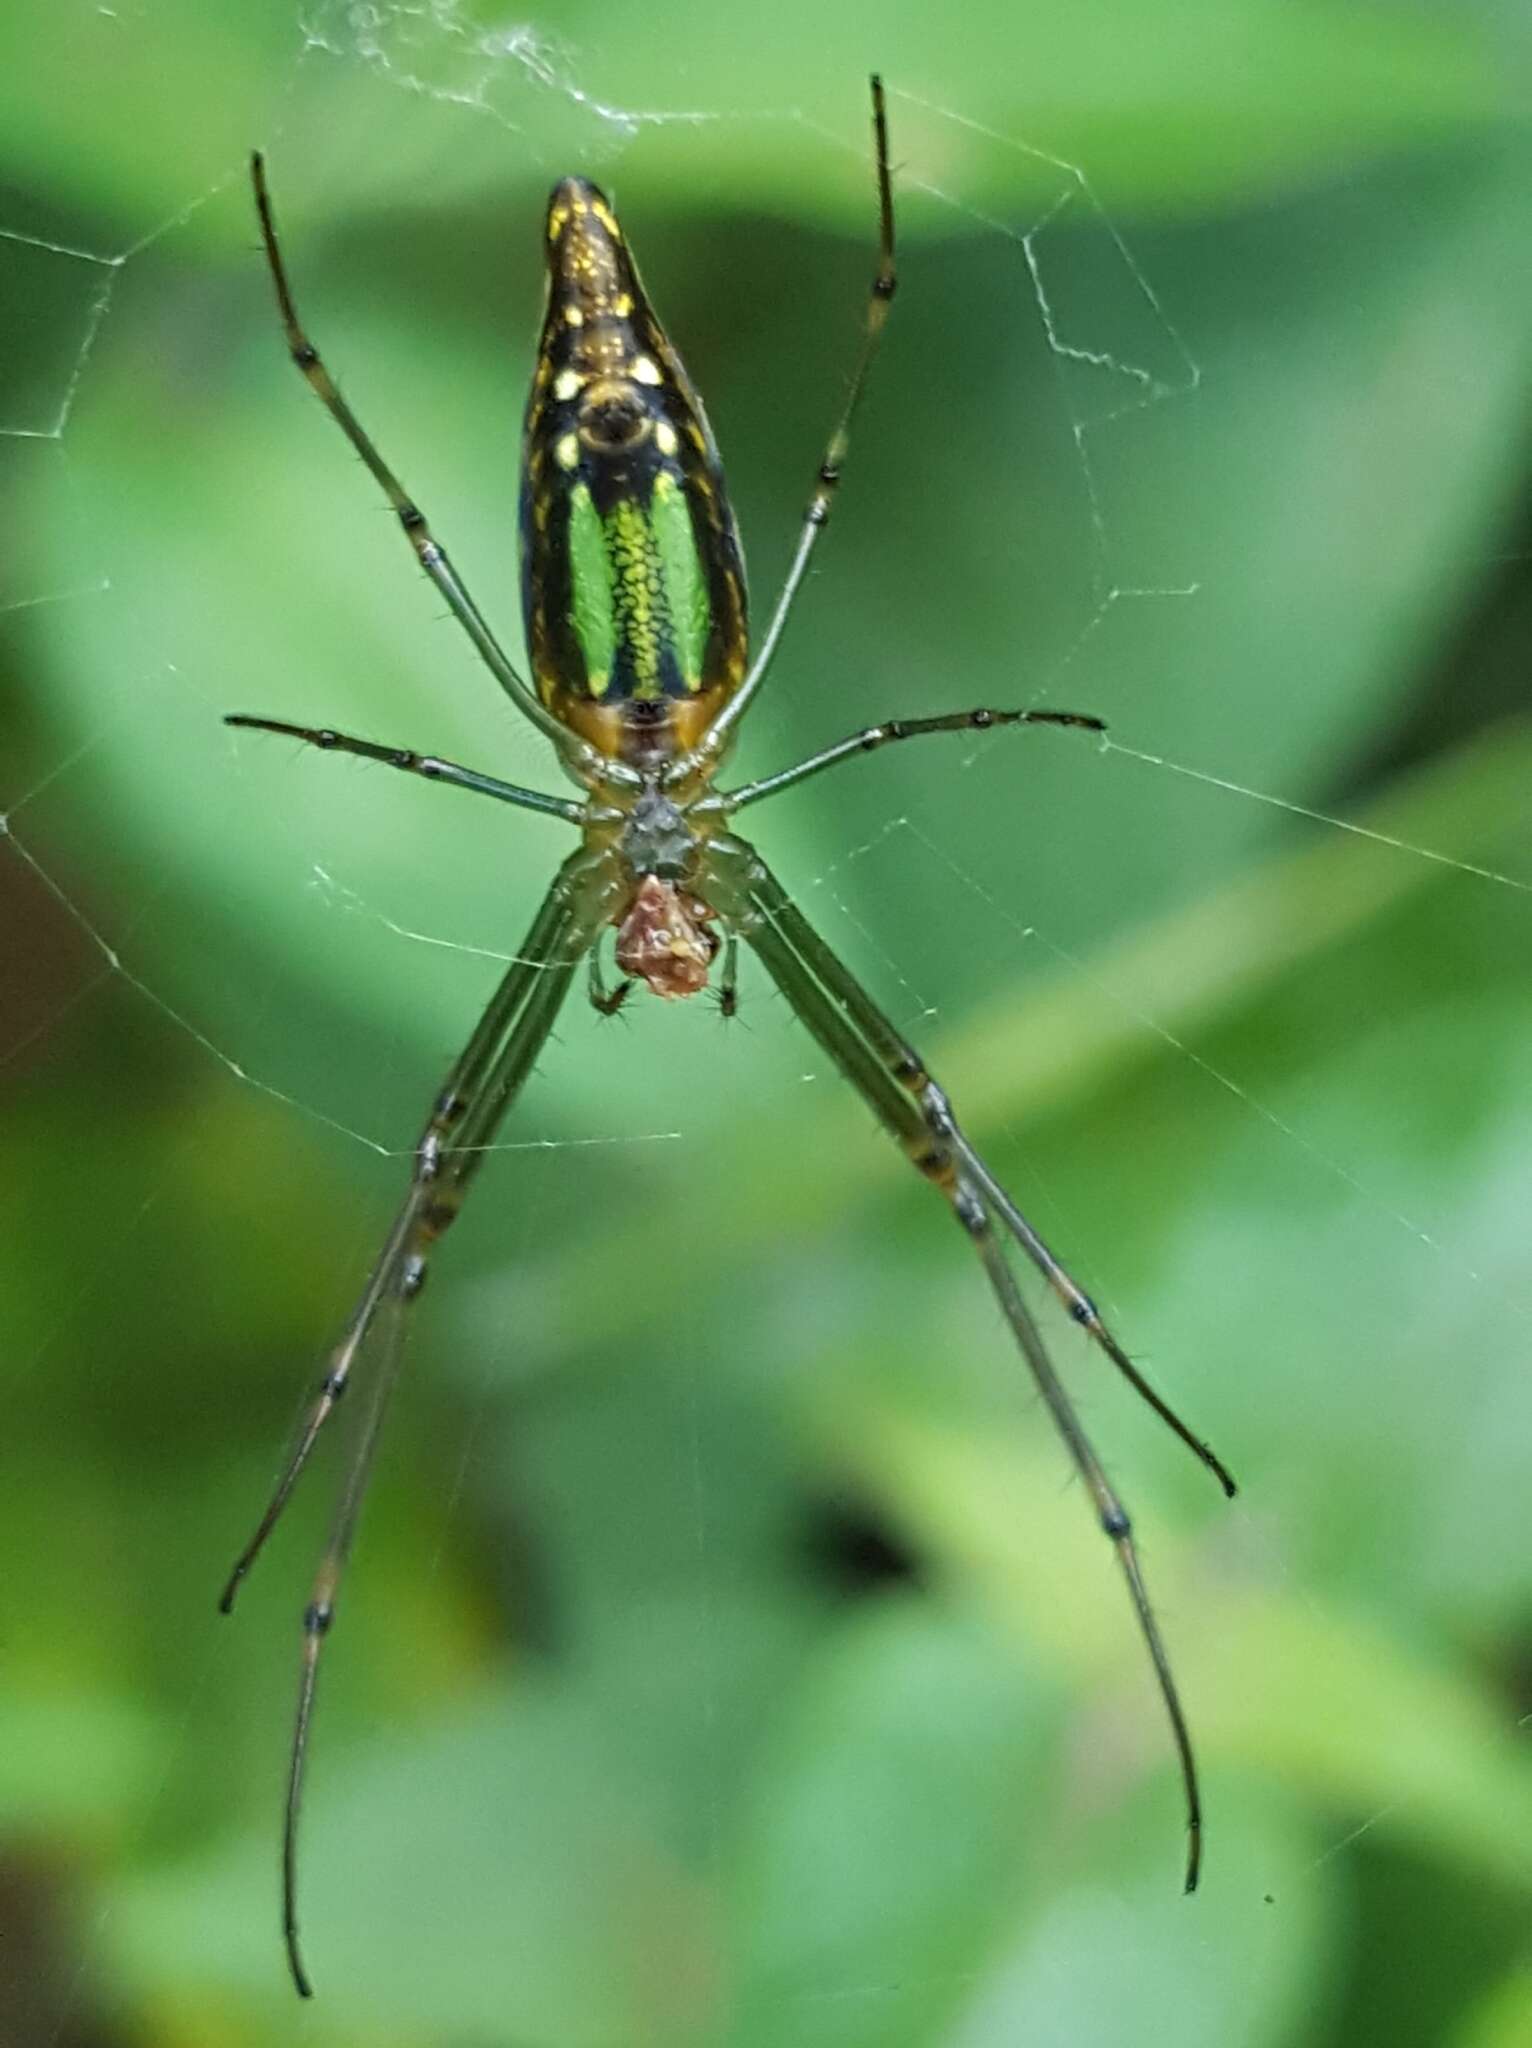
(681, 574)
(592, 611)
(638, 595)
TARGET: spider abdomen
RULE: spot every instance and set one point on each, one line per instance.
(633, 585)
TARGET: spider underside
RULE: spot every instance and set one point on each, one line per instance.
(634, 597)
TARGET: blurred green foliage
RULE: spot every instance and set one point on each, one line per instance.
(727, 1658)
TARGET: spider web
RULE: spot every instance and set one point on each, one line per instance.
(1229, 998)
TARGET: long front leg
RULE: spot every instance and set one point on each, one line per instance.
(540, 951)
(431, 1217)
(889, 1076)
(905, 1066)
(477, 1094)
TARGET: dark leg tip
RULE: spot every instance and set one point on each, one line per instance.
(1219, 1470)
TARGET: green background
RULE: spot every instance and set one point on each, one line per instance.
(728, 1656)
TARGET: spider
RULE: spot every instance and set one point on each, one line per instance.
(633, 593)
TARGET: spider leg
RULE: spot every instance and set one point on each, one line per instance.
(430, 766)
(388, 1328)
(480, 1089)
(608, 1001)
(871, 737)
(728, 981)
(889, 1076)
(816, 517)
(908, 1069)
(459, 1092)
(430, 553)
